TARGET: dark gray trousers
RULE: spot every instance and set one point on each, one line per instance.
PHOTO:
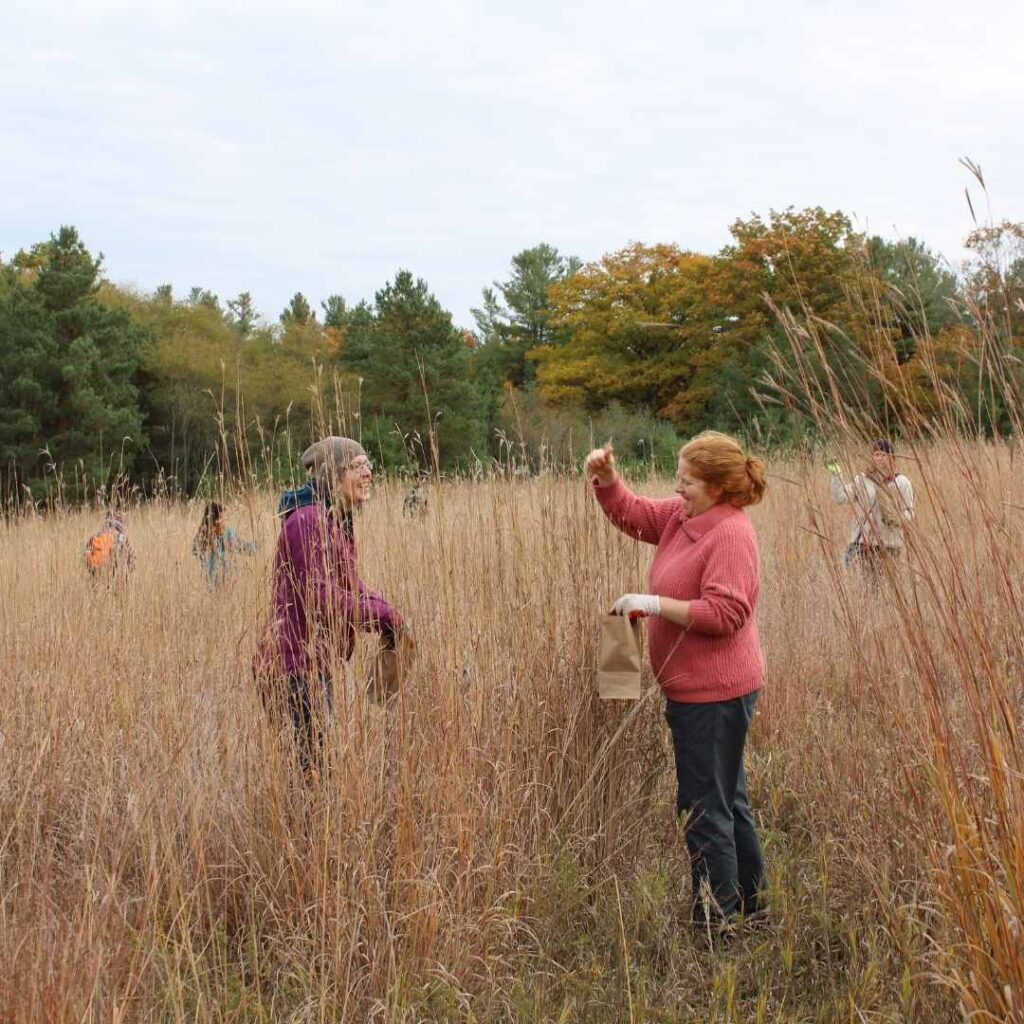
(725, 854)
(310, 705)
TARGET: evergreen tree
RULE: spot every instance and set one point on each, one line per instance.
(415, 370)
(521, 319)
(242, 314)
(203, 297)
(919, 291)
(334, 311)
(67, 393)
(298, 311)
(68, 273)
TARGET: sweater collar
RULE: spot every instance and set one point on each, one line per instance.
(699, 525)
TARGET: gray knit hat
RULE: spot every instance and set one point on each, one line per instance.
(336, 452)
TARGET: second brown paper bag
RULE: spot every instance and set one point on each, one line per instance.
(389, 670)
(618, 660)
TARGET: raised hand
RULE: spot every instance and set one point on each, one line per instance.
(600, 465)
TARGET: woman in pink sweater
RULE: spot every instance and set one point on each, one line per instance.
(705, 651)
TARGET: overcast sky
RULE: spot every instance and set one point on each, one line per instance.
(321, 146)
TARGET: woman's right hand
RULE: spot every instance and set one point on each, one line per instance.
(600, 466)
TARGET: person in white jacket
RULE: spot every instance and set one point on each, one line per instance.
(883, 504)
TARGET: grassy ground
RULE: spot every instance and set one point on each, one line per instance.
(500, 846)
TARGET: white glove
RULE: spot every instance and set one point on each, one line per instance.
(637, 606)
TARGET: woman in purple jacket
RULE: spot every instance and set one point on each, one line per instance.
(319, 600)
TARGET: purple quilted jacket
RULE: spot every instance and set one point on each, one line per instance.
(319, 600)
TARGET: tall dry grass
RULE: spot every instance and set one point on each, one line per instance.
(953, 609)
(500, 845)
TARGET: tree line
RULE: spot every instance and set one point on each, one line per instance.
(646, 344)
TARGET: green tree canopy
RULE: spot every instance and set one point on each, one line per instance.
(215, 402)
(242, 314)
(520, 319)
(917, 298)
(298, 311)
(67, 394)
(414, 369)
(203, 297)
(335, 311)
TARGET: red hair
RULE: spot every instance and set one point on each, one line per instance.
(717, 459)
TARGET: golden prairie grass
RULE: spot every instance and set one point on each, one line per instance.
(500, 844)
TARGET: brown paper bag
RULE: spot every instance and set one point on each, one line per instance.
(390, 667)
(618, 662)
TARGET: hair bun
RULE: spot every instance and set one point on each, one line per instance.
(757, 473)
(718, 459)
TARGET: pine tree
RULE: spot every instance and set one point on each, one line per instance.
(415, 370)
(203, 297)
(242, 314)
(521, 319)
(67, 393)
(334, 311)
(298, 311)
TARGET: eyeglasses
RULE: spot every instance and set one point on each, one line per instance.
(361, 465)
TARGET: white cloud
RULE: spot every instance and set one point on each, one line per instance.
(50, 55)
(321, 146)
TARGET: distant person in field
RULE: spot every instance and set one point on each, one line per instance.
(415, 503)
(319, 601)
(216, 544)
(705, 651)
(108, 553)
(883, 504)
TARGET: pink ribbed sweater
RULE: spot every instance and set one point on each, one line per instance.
(711, 561)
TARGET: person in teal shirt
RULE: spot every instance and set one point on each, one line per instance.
(216, 543)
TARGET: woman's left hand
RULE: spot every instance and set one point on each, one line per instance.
(637, 606)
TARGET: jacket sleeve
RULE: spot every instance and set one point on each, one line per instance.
(640, 518)
(906, 490)
(375, 613)
(860, 494)
(331, 580)
(729, 585)
(842, 493)
(235, 543)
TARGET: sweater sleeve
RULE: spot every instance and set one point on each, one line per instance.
(729, 584)
(640, 518)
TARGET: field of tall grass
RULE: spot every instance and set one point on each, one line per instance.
(500, 845)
